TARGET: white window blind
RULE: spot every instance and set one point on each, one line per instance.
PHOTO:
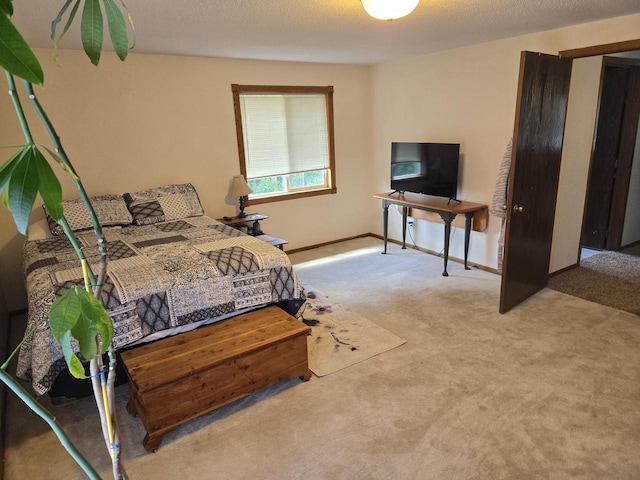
(284, 134)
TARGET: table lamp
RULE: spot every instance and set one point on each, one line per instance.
(239, 188)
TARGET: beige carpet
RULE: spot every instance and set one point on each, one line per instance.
(608, 278)
(340, 337)
(549, 390)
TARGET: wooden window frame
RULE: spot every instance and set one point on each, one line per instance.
(327, 91)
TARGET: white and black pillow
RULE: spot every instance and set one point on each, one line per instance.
(110, 209)
(170, 202)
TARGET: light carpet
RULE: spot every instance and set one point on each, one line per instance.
(549, 390)
(340, 337)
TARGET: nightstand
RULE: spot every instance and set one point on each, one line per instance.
(275, 241)
(251, 222)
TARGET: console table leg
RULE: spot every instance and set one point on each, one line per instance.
(404, 228)
(447, 235)
(385, 222)
(467, 235)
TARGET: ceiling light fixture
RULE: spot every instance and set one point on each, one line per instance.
(389, 9)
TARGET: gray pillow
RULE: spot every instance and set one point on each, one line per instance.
(110, 209)
(170, 202)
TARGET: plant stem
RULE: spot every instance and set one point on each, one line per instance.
(106, 411)
(18, 108)
(26, 337)
(97, 228)
(51, 420)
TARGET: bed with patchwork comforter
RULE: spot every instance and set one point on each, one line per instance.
(163, 278)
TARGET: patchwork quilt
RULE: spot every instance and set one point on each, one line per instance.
(161, 276)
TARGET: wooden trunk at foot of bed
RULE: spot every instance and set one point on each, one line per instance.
(179, 378)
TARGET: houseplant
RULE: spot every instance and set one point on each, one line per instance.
(79, 312)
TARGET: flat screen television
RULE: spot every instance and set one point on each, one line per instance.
(427, 168)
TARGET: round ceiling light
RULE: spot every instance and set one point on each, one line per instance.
(389, 9)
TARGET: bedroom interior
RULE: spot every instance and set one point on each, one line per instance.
(374, 106)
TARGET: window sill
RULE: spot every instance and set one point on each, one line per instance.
(290, 196)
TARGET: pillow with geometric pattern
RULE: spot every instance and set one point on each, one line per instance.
(170, 202)
(110, 209)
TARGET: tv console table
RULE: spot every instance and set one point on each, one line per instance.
(446, 209)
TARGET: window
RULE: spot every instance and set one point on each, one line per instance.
(285, 140)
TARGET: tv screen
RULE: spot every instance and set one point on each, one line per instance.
(427, 168)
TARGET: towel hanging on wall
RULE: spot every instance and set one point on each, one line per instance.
(499, 200)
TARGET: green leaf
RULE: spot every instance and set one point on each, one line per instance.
(58, 19)
(73, 362)
(7, 168)
(64, 313)
(49, 187)
(80, 314)
(105, 327)
(91, 30)
(6, 7)
(130, 21)
(93, 320)
(85, 331)
(117, 29)
(23, 189)
(5, 198)
(15, 55)
(65, 167)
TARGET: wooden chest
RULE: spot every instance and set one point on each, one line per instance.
(179, 378)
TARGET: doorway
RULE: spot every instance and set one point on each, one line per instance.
(609, 185)
(613, 155)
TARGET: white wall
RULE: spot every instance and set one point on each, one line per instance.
(582, 112)
(631, 230)
(466, 95)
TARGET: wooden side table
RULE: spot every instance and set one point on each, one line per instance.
(253, 219)
(254, 229)
(275, 241)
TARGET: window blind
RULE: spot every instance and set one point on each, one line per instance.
(284, 134)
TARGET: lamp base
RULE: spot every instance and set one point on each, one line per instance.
(241, 214)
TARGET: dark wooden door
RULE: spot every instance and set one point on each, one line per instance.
(605, 154)
(543, 91)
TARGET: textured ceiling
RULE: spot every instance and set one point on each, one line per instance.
(334, 31)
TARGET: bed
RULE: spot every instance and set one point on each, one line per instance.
(170, 270)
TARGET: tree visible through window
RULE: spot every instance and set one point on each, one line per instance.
(285, 140)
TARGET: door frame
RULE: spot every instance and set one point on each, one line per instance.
(619, 178)
(595, 51)
(629, 128)
(602, 49)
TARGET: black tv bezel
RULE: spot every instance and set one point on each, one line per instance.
(409, 185)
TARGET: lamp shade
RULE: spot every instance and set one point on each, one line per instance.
(239, 187)
(389, 9)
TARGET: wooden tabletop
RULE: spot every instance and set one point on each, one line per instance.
(238, 220)
(418, 200)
